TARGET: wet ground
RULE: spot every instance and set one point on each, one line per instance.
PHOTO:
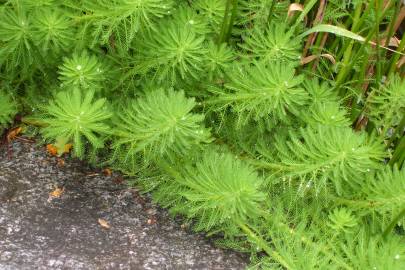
(92, 222)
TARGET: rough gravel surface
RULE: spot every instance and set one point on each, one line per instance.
(38, 231)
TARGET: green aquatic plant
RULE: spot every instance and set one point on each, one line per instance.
(83, 70)
(158, 124)
(260, 91)
(78, 119)
(8, 109)
(275, 126)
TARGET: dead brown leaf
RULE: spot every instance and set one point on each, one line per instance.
(12, 134)
(51, 150)
(310, 58)
(56, 193)
(61, 162)
(103, 223)
(152, 221)
(59, 148)
(294, 8)
(107, 172)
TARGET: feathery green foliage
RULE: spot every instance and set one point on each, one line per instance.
(212, 10)
(158, 124)
(118, 19)
(177, 52)
(219, 59)
(328, 114)
(314, 154)
(274, 43)
(387, 105)
(17, 38)
(262, 91)
(219, 190)
(369, 252)
(245, 117)
(54, 31)
(342, 220)
(83, 71)
(8, 109)
(260, 12)
(384, 191)
(77, 118)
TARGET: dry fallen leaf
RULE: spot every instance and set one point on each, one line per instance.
(308, 59)
(56, 150)
(152, 221)
(103, 223)
(12, 134)
(57, 192)
(60, 147)
(107, 172)
(294, 8)
(51, 149)
(61, 162)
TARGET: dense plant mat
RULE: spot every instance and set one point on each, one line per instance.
(276, 126)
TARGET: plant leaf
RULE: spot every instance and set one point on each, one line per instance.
(339, 31)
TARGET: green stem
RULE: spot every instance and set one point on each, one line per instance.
(336, 41)
(263, 245)
(232, 20)
(347, 48)
(221, 37)
(33, 122)
(377, 47)
(345, 71)
(393, 223)
(269, 17)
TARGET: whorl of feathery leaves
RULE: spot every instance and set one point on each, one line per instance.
(386, 190)
(212, 10)
(341, 220)
(367, 251)
(327, 114)
(82, 70)
(17, 49)
(261, 91)
(156, 125)
(275, 43)
(387, 104)
(190, 18)
(26, 35)
(218, 59)
(8, 109)
(257, 12)
(319, 92)
(330, 156)
(54, 31)
(174, 51)
(219, 190)
(120, 20)
(77, 118)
